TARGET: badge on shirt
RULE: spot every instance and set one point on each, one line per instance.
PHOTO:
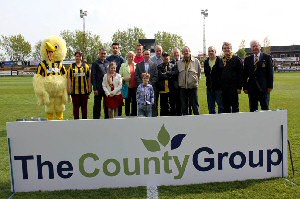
(264, 64)
(79, 74)
(53, 70)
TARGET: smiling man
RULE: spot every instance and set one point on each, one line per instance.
(258, 77)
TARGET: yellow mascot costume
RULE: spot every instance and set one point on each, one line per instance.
(50, 81)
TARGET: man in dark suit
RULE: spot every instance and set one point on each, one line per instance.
(145, 67)
(258, 77)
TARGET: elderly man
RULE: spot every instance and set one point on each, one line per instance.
(189, 74)
(213, 67)
(175, 93)
(258, 77)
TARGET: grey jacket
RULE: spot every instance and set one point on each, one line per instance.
(189, 78)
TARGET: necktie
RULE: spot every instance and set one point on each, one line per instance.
(256, 60)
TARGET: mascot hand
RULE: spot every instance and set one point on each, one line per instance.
(66, 98)
(43, 98)
(69, 99)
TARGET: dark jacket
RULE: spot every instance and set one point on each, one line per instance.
(213, 75)
(140, 68)
(99, 69)
(118, 59)
(167, 72)
(260, 75)
(232, 74)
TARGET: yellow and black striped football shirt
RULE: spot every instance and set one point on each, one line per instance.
(55, 68)
(80, 78)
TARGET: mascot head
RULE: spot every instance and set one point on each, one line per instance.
(57, 46)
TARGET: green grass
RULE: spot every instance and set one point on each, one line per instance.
(17, 100)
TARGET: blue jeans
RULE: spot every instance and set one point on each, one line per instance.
(145, 110)
(213, 97)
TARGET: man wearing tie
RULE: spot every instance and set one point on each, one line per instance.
(258, 77)
(147, 67)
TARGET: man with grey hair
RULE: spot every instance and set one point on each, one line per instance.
(213, 67)
(258, 77)
(157, 59)
(189, 74)
(176, 95)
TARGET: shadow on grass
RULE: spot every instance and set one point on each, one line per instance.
(217, 187)
(133, 192)
(3, 133)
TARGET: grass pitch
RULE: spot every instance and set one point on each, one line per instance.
(17, 100)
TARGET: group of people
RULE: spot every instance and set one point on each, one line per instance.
(227, 76)
(174, 83)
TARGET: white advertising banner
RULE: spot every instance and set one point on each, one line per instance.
(26, 73)
(5, 73)
(128, 152)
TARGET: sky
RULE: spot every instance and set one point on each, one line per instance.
(231, 20)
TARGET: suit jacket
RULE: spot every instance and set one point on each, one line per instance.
(140, 68)
(99, 69)
(260, 75)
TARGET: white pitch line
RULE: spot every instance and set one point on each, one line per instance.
(152, 192)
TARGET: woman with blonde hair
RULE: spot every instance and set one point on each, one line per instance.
(127, 72)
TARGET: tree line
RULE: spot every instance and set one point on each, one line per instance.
(17, 48)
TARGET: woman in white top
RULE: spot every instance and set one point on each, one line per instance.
(112, 85)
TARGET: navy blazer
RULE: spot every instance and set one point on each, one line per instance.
(140, 68)
(99, 69)
(260, 75)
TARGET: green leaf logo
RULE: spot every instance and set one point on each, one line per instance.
(163, 136)
(151, 145)
(163, 139)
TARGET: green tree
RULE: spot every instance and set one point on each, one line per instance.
(86, 42)
(2, 57)
(169, 41)
(15, 47)
(267, 47)
(36, 54)
(128, 39)
(107, 47)
(242, 52)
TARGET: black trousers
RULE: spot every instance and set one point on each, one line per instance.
(97, 106)
(189, 97)
(131, 101)
(165, 104)
(230, 100)
(255, 96)
(175, 103)
(154, 106)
